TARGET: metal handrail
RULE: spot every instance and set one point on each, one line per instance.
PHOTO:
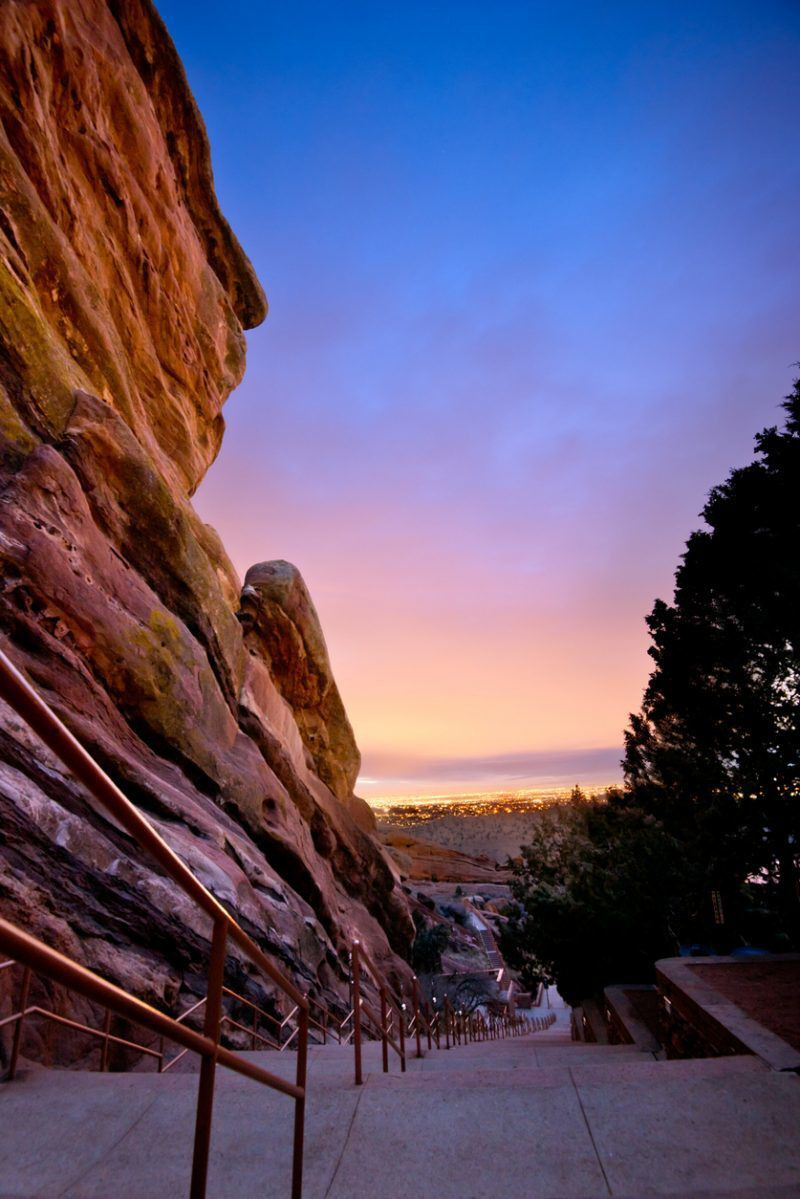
(350, 1016)
(325, 1027)
(105, 1034)
(458, 1026)
(75, 977)
(21, 696)
(38, 957)
(380, 1024)
(360, 959)
(18, 692)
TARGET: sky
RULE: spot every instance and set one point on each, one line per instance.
(533, 283)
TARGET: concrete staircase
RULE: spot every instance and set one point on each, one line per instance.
(538, 1117)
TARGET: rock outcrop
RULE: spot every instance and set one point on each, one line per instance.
(424, 861)
(123, 299)
(284, 629)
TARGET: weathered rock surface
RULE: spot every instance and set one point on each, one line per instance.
(424, 861)
(283, 628)
(123, 299)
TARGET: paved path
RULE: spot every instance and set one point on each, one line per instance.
(531, 1118)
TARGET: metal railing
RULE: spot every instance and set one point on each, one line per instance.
(392, 1022)
(457, 1026)
(27, 1010)
(390, 1006)
(37, 957)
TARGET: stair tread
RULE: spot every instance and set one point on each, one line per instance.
(696, 1128)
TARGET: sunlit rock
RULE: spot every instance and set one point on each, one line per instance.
(123, 299)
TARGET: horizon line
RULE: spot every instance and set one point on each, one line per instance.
(512, 793)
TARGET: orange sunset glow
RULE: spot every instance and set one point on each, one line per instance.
(506, 356)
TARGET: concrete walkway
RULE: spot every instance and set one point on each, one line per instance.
(535, 1118)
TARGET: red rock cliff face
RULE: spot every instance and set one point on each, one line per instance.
(123, 296)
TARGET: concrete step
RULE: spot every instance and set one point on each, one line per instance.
(334, 1060)
(610, 1125)
(626, 1129)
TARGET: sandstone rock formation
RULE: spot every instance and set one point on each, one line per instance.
(283, 628)
(123, 299)
(424, 861)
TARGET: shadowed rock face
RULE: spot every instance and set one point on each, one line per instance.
(123, 298)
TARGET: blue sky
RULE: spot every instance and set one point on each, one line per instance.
(533, 286)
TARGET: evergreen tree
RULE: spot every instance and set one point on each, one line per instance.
(598, 891)
(711, 806)
(715, 749)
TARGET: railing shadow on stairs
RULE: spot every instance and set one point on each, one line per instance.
(36, 957)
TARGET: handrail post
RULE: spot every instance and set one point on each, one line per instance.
(357, 1012)
(384, 1031)
(300, 1103)
(446, 1022)
(106, 1033)
(428, 1026)
(415, 1002)
(205, 1091)
(402, 1033)
(17, 1041)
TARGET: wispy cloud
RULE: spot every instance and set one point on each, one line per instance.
(551, 768)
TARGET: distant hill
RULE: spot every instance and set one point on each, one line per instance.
(492, 834)
(425, 861)
(491, 825)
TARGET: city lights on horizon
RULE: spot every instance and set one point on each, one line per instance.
(497, 796)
